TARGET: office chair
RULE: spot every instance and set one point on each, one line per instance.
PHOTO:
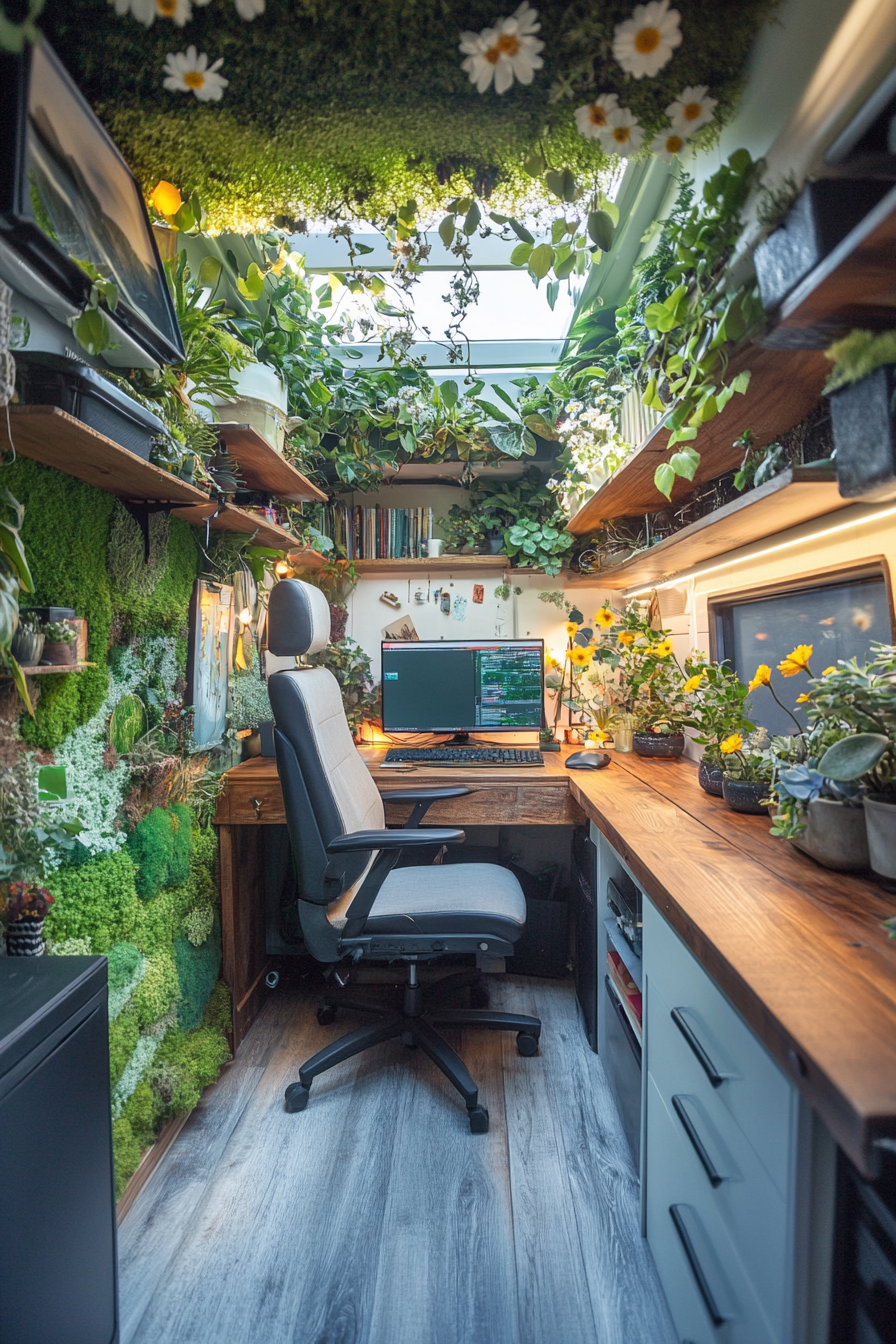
(353, 901)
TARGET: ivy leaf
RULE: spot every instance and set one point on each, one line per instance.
(508, 439)
(446, 230)
(664, 479)
(569, 190)
(558, 230)
(541, 260)
(554, 182)
(685, 463)
(521, 254)
(741, 382)
(474, 215)
(363, 249)
(534, 164)
(521, 231)
(552, 292)
(91, 330)
(563, 268)
(541, 427)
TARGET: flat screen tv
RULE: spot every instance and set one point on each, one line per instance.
(67, 195)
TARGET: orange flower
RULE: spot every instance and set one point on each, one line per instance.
(797, 661)
(803, 699)
(626, 637)
(761, 677)
(166, 198)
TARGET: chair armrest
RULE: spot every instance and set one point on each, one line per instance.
(434, 835)
(424, 795)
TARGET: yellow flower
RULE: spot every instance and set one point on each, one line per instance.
(663, 649)
(598, 736)
(692, 683)
(166, 198)
(803, 699)
(571, 628)
(604, 618)
(828, 670)
(626, 637)
(797, 661)
(580, 657)
(731, 744)
(761, 677)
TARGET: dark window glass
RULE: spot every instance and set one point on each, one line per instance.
(839, 620)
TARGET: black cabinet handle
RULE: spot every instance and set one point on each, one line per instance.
(697, 1143)
(696, 1268)
(703, 1059)
(623, 1021)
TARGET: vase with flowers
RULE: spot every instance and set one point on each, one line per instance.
(718, 709)
(24, 908)
(749, 768)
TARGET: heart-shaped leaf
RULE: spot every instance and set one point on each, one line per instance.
(541, 260)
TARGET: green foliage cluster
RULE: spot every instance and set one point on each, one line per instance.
(95, 900)
(361, 107)
(151, 599)
(857, 355)
(187, 1061)
(123, 1034)
(123, 963)
(160, 848)
(158, 991)
(197, 971)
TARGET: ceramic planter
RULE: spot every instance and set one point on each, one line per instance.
(61, 654)
(865, 436)
(27, 649)
(667, 746)
(745, 795)
(711, 778)
(25, 938)
(835, 836)
(824, 213)
(880, 816)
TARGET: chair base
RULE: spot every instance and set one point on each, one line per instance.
(417, 1027)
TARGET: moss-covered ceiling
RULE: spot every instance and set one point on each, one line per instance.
(351, 108)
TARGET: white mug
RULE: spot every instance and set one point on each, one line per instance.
(434, 547)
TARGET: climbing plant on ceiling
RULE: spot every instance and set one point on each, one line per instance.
(290, 109)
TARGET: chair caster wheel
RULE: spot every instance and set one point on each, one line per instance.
(326, 1014)
(478, 1120)
(526, 1044)
(296, 1098)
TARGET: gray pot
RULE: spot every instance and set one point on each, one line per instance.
(711, 778)
(745, 795)
(880, 816)
(27, 649)
(494, 542)
(835, 836)
(669, 746)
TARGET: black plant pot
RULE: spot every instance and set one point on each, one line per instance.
(865, 436)
(494, 542)
(745, 795)
(711, 778)
(667, 746)
(821, 216)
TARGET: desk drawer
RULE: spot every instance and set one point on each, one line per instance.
(704, 1281)
(259, 804)
(723, 1169)
(709, 1032)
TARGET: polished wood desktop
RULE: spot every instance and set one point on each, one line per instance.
(798, 949)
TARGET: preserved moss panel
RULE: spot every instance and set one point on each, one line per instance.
(151, 597)
(123, 1034)
(160, 848)
(65, 533)
(95, 900)
(197, 972)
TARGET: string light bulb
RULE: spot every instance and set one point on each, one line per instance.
(281, 569)
(246, 616)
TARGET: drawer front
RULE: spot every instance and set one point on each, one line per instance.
(723, 1169)
(706, 1285)
(709, 1030)
(260, 804)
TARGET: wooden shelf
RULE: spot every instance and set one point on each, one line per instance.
(784, 387)
(451, 562)
(52, 669)
(52, 436)
(263, 468)
(854, 286)
(229, 518)
(795, 496)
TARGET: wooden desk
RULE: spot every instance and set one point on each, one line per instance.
(797, 948)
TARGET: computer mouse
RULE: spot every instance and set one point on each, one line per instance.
(587, 760)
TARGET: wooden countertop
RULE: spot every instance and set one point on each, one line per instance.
(798, 948)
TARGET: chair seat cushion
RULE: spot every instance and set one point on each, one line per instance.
(471, 898)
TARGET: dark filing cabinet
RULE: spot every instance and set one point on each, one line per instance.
(58, 1274)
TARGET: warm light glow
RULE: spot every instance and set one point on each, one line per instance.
(281, 569)
(246, 616)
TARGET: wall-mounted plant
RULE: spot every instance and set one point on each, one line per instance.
(759, 464)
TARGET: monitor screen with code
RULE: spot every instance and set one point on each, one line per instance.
(463, 686)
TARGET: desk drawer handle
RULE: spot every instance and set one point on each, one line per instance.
(697, 1143)
(257, 804)
(696, 1268)
(703, 1059)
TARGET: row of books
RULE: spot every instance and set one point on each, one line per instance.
(378, 533)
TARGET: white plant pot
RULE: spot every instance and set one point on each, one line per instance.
(261, 402)
(881, 820)
(835, 836)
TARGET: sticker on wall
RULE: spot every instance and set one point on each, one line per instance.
(403, 628)
(478, 592)
(445, 603)
(460, 608)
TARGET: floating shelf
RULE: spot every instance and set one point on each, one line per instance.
(795, 496)
(54, 669)
(52, 436)
(784, 387)
(263, 468)
(854, 286)
(229, 518)
(454, 562)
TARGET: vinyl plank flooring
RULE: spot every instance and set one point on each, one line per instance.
(375, 1217)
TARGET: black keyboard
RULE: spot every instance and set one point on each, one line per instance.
(460, 756)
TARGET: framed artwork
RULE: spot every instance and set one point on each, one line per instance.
(208, 662)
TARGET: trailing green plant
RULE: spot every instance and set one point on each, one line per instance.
(718, 707)
(540, 544)
(759, 464)
(857, 355)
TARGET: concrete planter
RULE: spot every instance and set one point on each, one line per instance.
(865, 436)
(745, 795)
(880, 816)
(711, 778)
(836, 835)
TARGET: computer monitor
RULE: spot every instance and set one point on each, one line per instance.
(463, 686)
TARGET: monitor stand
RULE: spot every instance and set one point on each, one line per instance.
(458, 740)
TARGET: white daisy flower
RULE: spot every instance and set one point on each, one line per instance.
(189, 72)
(147, 11)
(623, 134)
(691, 109)
(668, 144)
(644, 43)
(248, 9)
(592, 118)
(507, 50)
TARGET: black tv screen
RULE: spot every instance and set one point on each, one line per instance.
(67, 195)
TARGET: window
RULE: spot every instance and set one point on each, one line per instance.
(839, 615)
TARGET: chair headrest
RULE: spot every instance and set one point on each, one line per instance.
(298, 618)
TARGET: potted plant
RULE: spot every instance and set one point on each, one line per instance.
(463, 529)
(747, 780)
(25, 907)
(717, 710)
(540, 544)
(60, 644)
(654, 687)
(862, 387)
(337, 580)
(820, 801)
(28, 641)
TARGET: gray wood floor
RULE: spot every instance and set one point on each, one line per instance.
(375, 1217)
